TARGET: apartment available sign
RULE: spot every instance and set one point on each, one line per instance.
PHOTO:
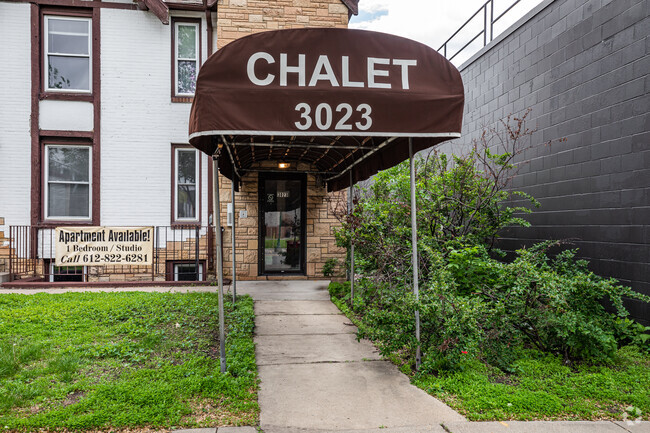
(100, 246)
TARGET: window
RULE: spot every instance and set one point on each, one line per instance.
(65, 273)
(188, 272)
(186, 57)
(67, 182)
(67, 48)
(186, 175)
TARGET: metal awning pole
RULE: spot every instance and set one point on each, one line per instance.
(414, 242)
(217, 222)
(350, 209)
(232, 229)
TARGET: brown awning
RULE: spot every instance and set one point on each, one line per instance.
(337, 99)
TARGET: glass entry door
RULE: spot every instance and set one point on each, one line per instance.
(282, 223)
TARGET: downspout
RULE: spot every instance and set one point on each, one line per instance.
(208, 20)
(209, 5)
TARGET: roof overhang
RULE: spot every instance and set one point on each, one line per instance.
(158, 7)
(341, 100)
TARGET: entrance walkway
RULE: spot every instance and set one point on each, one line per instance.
(316, 376)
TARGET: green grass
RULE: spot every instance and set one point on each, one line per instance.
(541, 386)
(106, 361)
(544, 388)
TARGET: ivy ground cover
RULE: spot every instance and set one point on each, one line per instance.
(124, 361)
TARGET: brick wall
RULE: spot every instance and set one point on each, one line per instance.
(582, 66)
(238, 18)
(136, 149)
(15, 112)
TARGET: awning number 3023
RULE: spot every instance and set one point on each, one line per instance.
(323, 117)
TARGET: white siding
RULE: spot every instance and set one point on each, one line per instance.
(15, 110)
(65, 115)
(138, 120)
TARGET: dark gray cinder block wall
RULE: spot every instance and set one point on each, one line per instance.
(582, 67)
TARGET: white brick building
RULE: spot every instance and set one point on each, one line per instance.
(94, 116)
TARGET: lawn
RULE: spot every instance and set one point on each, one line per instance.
(119, 361)
(543, 388)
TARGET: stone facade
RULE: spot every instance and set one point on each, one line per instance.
(321, 223)
(237, 18)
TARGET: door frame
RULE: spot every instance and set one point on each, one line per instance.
(261, 191)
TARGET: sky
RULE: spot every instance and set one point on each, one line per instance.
(432, 22)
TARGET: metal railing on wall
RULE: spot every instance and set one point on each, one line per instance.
(181, 253)
(489, 20)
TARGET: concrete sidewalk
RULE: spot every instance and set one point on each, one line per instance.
(316, 376)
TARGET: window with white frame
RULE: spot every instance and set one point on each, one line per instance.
(188, 272)
(67, 182)
(186, 57)
(68, 50)
(66, 273)
(186, 188)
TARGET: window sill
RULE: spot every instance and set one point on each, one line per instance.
(183, 99)
(67, 96)
(185, 224)
(56, 223)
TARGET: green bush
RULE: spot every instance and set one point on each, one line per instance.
(479, 314)
(339, 290)
(472, 304)
(461, 201)
(330, 267)
(479, 307)
(629, 332)
(553, 304)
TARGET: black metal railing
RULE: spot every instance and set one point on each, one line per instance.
(180, 253)
(21, 257)
(487, 32)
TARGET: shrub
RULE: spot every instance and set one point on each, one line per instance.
(476, 306)
(629, 332)
(330, 267)
(472, 304)
(462, 201)
(555, 304)
(339, 290)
